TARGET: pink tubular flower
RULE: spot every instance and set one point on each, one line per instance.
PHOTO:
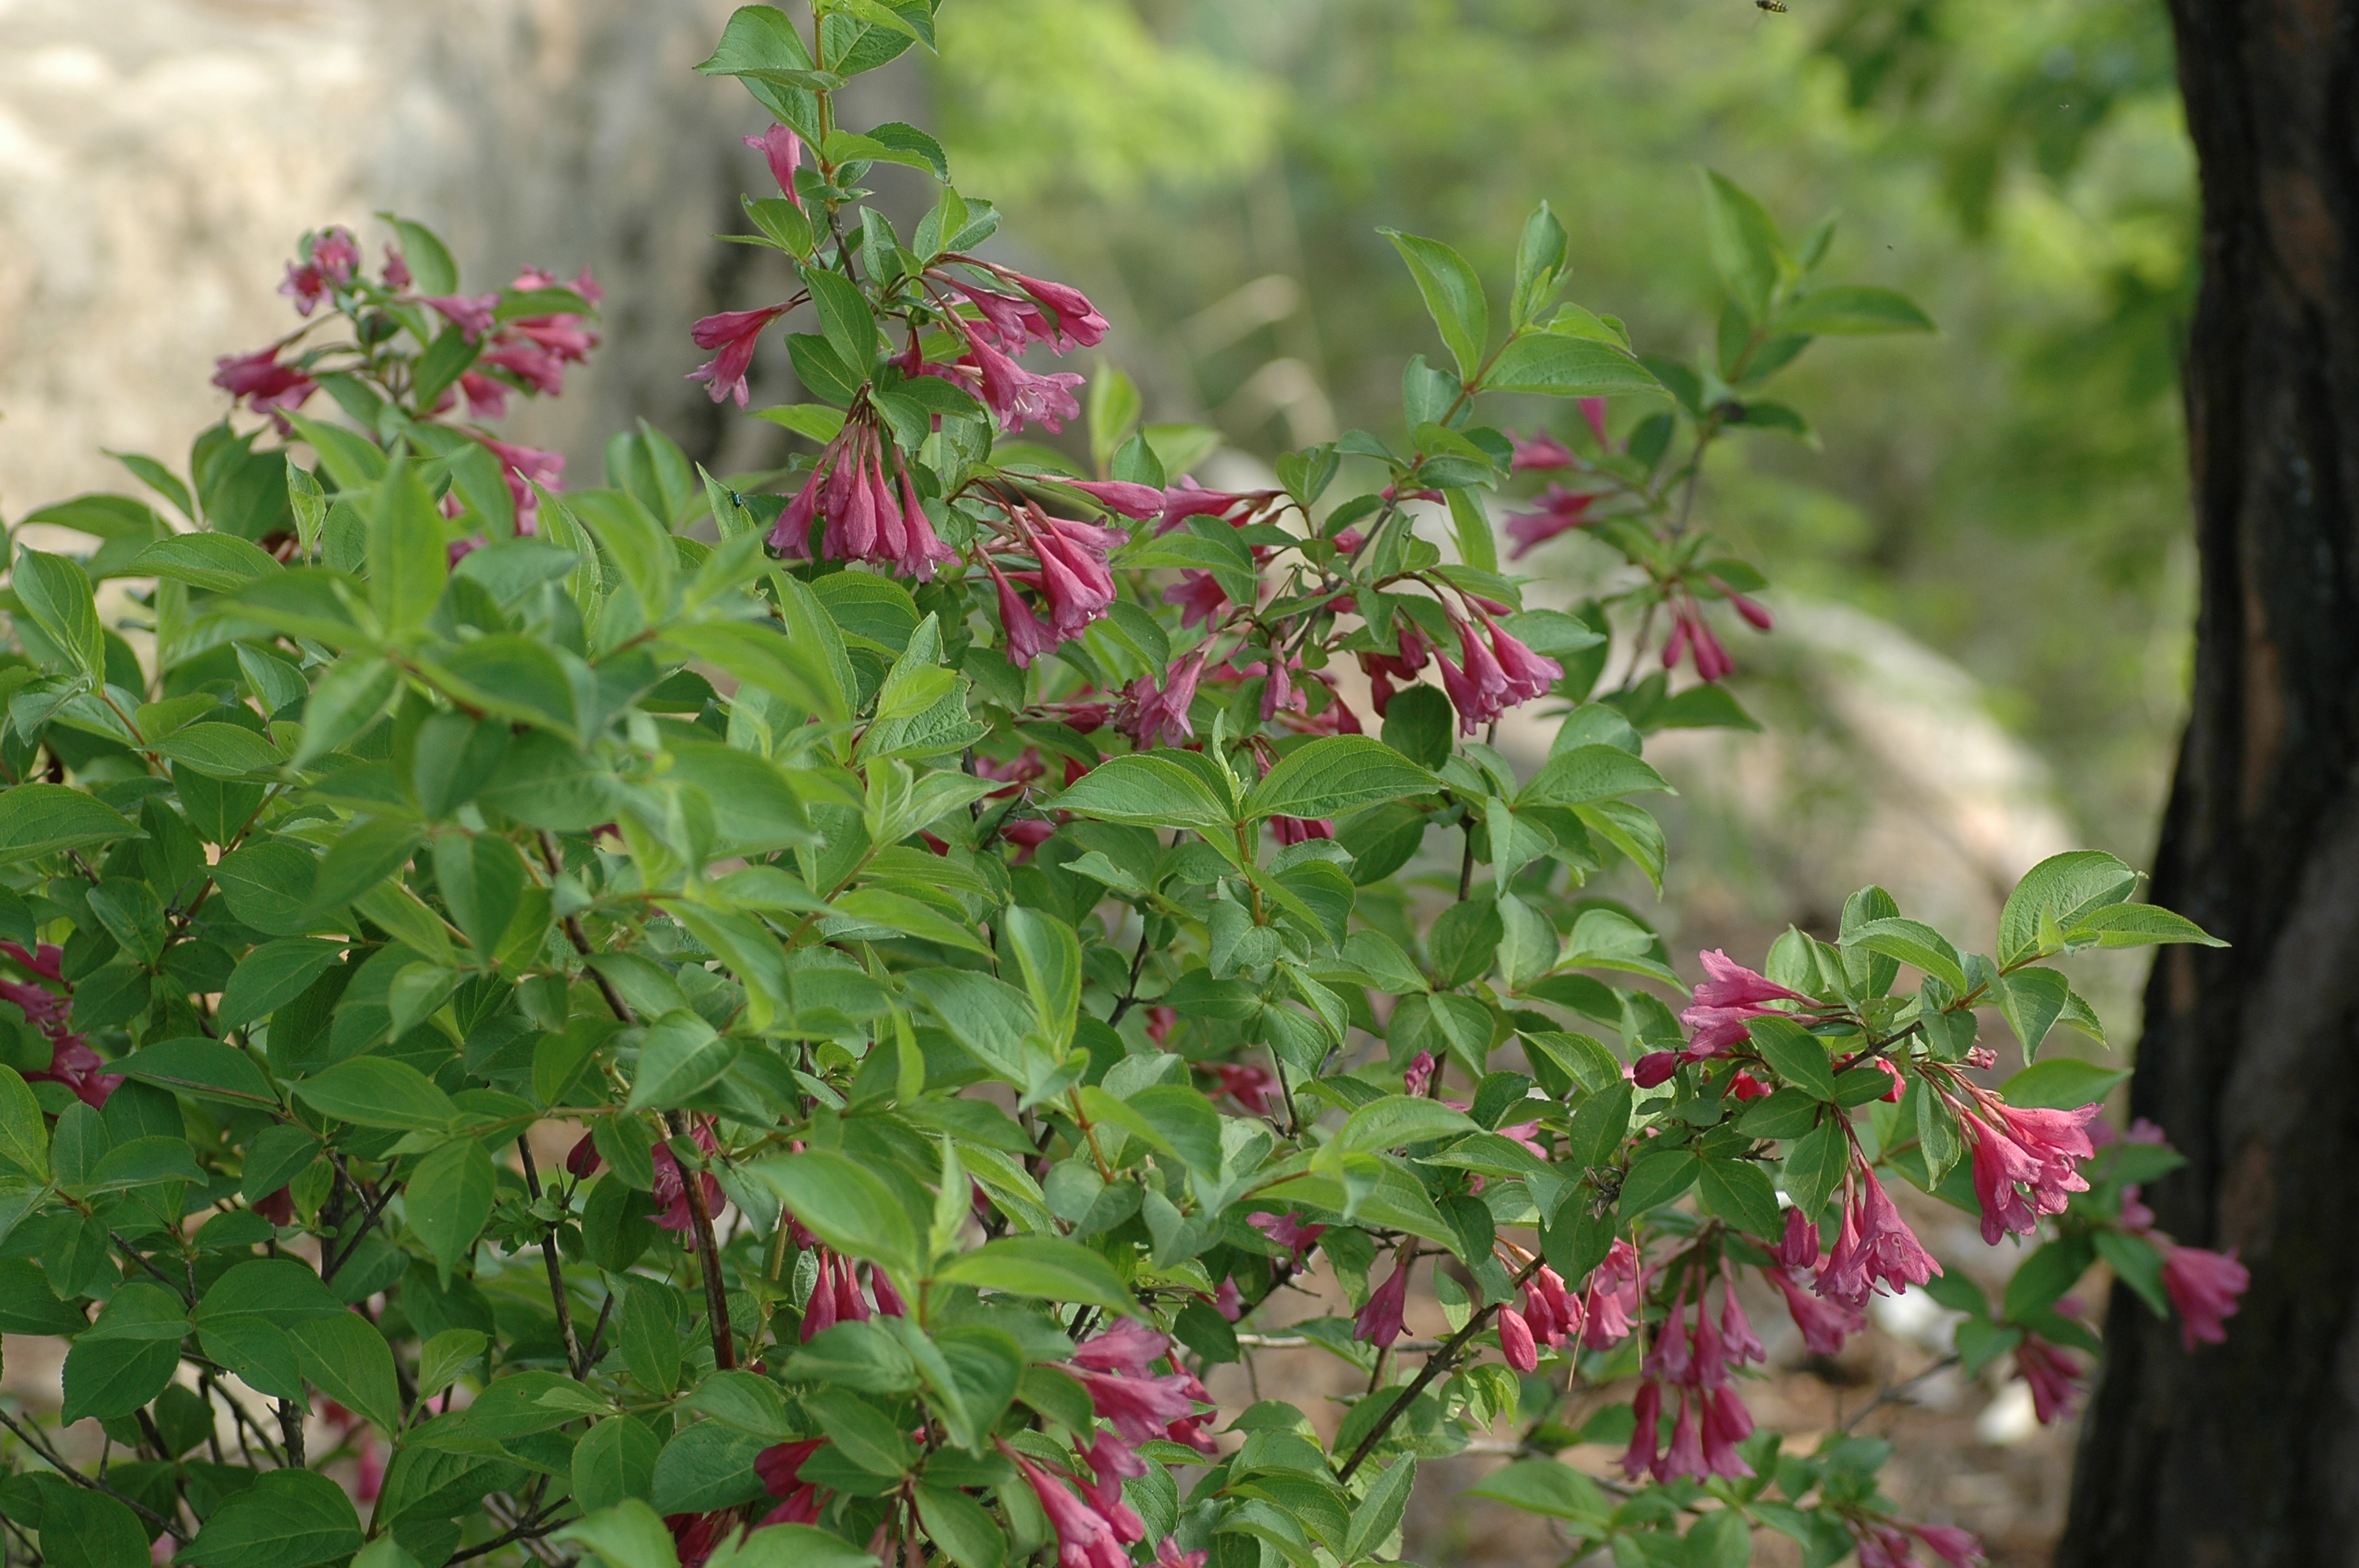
(1300, 830)
(1541, 451)
(523, 467)
(1137, 502)
(733, 334)
(1798, 1247)
(693, 1536)
(1291, 1232)
(1825, 1325)
(1528, 675)
(670, 1192)
(1111, 1462)
(1876, 1248)
(1248, 1085)
(1126, 1345)
(1141, 1408)
(336, 253)
(1379, 1322)
(1593, 410)
(1645, 1434)
(1077, 323)
(1028, 635)
(2055, 1380)
(1881, 1546)
(1086, 1538)
(1515, 1343)
(1726, 1423)
(1073, 573)
(780, 1466)
(2204, 1286)
(784, 149)
(1554, 1313)
(1958, 1548)
(1610, 1302)
(2036, 1151)
(1654, 1070)
(265, 386)
(1169, 1555)
(1014, 394)
(1729, 998)
(471, 314)
(1480, 691)
(1188, 499)
(1417, 1079)
(1557, 511)
(1199, 596)
(1690, 629)
(1150, 713)
(1755, 614)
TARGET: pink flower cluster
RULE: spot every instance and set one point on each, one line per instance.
(1874, 1247)
(1495, 669)
(528, 355)
(71, 1061)
(780, 1469)
(1008, 320)
(1551, 1315)
(836, 1295)
(1690, 633)
(1825, 1323)
(1693, 1362)
(1069, 571)
(2025, 1162)
(1886, 1545)
(1730, 999)
(867, 517)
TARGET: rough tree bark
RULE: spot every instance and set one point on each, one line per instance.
(2248, 1453)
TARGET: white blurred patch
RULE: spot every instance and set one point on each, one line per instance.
(1917, 1318)
(2009, 1419)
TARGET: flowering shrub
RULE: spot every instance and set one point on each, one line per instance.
(971, 942)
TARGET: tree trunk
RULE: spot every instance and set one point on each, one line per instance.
(2247, 1452)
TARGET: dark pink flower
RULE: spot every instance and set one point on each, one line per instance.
(1027, 637)
(1199, 596)
(1249, 1086)
(1141, 1408)
(1300, 830)
(472, 315)
(1655, 1068)
(1726, 1423)
(1557, 511)
(523, 466)
(693, 1536)
(1086, 1538)
(1015, 395)
(1515, 1342)
(1610, 1301)
(1138, 501)
(1798, 1247)
(1958, 1548)
(2055, 1380)
(1379, 1322)
(1593, 410)
(1554, 1313)
(1728, 998)
(733, 334)
(780, 1466)
(1073, 574)
(487, 398)
(1528, 675)
(2204, 1286)
(266, 386)
(1825, 1323)
(1151, 712)
(1111, 1462)
(1417, 1079)
(1539, 450)
(2028, 1165)
(1755, 615)
(784, 149)
(1296, 1235)
(1876, 1248)
(1126, 1345)
(336, 253)
(1645, 1432)
(397, 269)
(670, 1192)
(1169, 1555)
(1188, 499)
(1077, 323)
(582, 1161)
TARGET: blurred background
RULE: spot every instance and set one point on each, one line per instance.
(1983, 577)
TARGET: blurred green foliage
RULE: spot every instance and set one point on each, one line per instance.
(2012, 493)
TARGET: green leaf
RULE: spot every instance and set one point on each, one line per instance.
(648, 1338)
(746, 1400)
(1546, 1486)
(679, 1056)
(56, 594)
(1657, 1176)
(1914, 942)
(1587, 774)
(792, 1546)
(2137, 1263)
(348, 1360)
(408, 560)
(378, 1091)
(1854, 310)
(441, 1359)
(841, 1203)
(266, 980)
(510, 677)
(1815, 1163)
(959, 1525)
(1599, 1127)
(2061, 1083)
(615, 1461)
(450, 1199)
(431, 270)
(1151, 790)
(2031, 1000)
(219, 562)
(44, 819)
(1399, 1120)
(1798, 1057)
(1329, 775)
(1453, 296)
(126, 1357)
(844, 318)
(2061, 891)
(1552, 364)
(83, 1528)
(345, 702)
(629, 1534)
(287, 1518)
(24, 1135)
(1740, 1191)
(1379, 1513)
(1047, 1267)
(2138, 926)
(220, 750)
(1746, 249)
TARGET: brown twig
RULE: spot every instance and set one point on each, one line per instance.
(556, 1270)
(1441, 1361)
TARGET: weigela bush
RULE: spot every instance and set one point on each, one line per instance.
(981, 926)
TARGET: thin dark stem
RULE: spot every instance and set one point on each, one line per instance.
(169, 1527)
(598, 1331)
(1129, 998)
(360, 1234)
(707, 1252)
(134, 1254)
(531, 1530)
(1438, 1363)
(291, 1432)
(556, 1270)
